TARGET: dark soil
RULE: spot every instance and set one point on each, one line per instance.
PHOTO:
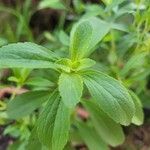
(138, 138)
(4, 140)
(44, 20)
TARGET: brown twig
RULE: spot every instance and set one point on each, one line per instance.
(11, 90)
(82, 113)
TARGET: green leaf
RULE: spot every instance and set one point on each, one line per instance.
(134, 62)
(56, 4)
(68, 147)
(33, 142)
(24, 104)
(109, 130)
(63, 64)
(85, 63)
(87, 133)
(138, 117)
(85, 35)
(94, 10)
(26, 55)
(20, 75)
(39, 81)
(64, 38)
(78, 6)
(68, 66)
(145, 99)
(120, 27)
(112, 4)
(3, 41)
(13, 79)
(111, 95)
(54, 123)
(70, 87)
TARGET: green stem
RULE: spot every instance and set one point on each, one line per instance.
(113, 45)
(14, 93)
(64, 14)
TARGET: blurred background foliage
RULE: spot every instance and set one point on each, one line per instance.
(124, 54)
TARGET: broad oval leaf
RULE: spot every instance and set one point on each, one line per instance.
(138, 117)
(85, 35)
(134, 62)
(26, 103)
(108, 129)
(54, 123)
(70, 87)
(26, 55)
(111, 95)
(33, 141)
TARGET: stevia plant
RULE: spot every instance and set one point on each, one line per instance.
(110, 106)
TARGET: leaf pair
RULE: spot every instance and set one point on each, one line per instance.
(112, 97)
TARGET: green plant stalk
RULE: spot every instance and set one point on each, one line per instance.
(14, 93)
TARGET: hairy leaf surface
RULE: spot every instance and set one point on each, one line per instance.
(24, 104)
(33, 142)
(85, 35)
(26, 55)
(138, 117)
(54, 123)
(70, 87)
(85, 63)
(111, 95)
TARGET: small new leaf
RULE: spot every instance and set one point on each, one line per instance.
(85, 35)
(26, 55)
(85, 63)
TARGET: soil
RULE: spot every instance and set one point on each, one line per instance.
(44, 20)
(4, 140)
(137, 138)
